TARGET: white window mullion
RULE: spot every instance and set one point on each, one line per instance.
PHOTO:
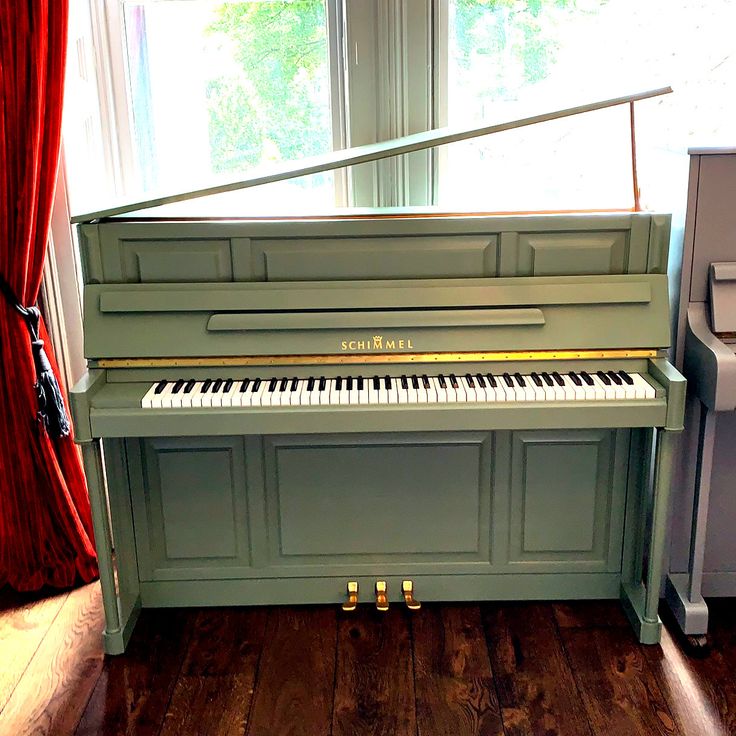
(60, 291)
(389, 84)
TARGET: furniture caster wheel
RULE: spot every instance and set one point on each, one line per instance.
(697, 647)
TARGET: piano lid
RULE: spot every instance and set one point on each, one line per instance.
(364, 154)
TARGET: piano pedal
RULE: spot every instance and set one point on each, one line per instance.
(381, 595)
(407, 588)
(352, 602)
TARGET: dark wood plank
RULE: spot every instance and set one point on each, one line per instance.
(588, 614)
(213, 692)
(134, 689)
(24, 621)
(374, 685)
(455, 694)
(57, 684)
(620, 692)
(296, 674)
(536, 688)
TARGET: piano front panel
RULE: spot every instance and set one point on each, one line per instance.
(190, 506)
(567, 493)
(341, 506)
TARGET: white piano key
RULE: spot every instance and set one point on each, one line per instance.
(162, 400)
(148, 397)
(644, 389)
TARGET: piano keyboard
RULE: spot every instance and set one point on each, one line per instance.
(408, 389)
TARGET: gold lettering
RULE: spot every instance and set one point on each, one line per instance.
(401, 344)
(344, 345)
(377, 342)
(351, 345)
(390, 344)
(409, 345)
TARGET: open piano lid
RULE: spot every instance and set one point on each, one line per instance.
(364, 154)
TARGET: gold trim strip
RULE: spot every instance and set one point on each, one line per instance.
(354, 358)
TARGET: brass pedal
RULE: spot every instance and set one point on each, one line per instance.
(352, 602)
(381, 595)
(407, 588)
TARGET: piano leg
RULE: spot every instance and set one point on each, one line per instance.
(641, 599)
(118, 628)
(683, 590)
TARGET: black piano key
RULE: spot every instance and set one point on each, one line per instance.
(547, 378)
(191, 383)
(228, 385)
(587, 378)
(284, 384)
(425, 381)
(537, 379)
(481, 380)
(244, 385)
(161, 386)
(206, 385)
(310, 383)
(520, 380)
(349, 383)
(256, 385)
(453, 381)
(441, 379)
(507, 378)
(360, 383)
(272, 385)
(414, 382)
(492, 380)
(404, 383)
(615, 378)
(322, 383)
(575, 378)
(178, 386)
(217, 385)
(627, 379)
(294, 383)
(338, 383)
(604, 378)
(558, 378)
(387, 382)
(376, 383)
(469, 380)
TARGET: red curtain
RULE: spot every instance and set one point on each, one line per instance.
(45, 520)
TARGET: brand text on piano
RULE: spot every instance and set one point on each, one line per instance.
(377, 343)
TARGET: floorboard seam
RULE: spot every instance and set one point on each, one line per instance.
(486, 636)
(566, 654)
(184, 649)
(35, 653)
(334, 671)
(257, 673)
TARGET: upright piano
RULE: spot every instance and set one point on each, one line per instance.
(377, 410)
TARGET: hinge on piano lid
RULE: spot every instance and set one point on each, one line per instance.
(376, 358)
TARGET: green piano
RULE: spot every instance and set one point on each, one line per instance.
(376, 410)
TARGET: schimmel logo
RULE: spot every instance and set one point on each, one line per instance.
(378, 344)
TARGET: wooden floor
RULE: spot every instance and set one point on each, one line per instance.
(446, 670)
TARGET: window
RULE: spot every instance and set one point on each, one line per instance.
(168, 95)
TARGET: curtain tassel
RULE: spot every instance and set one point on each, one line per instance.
(51, 411)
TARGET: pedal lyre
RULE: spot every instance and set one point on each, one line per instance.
(352, 602)
(381, 595)
(407, 588)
